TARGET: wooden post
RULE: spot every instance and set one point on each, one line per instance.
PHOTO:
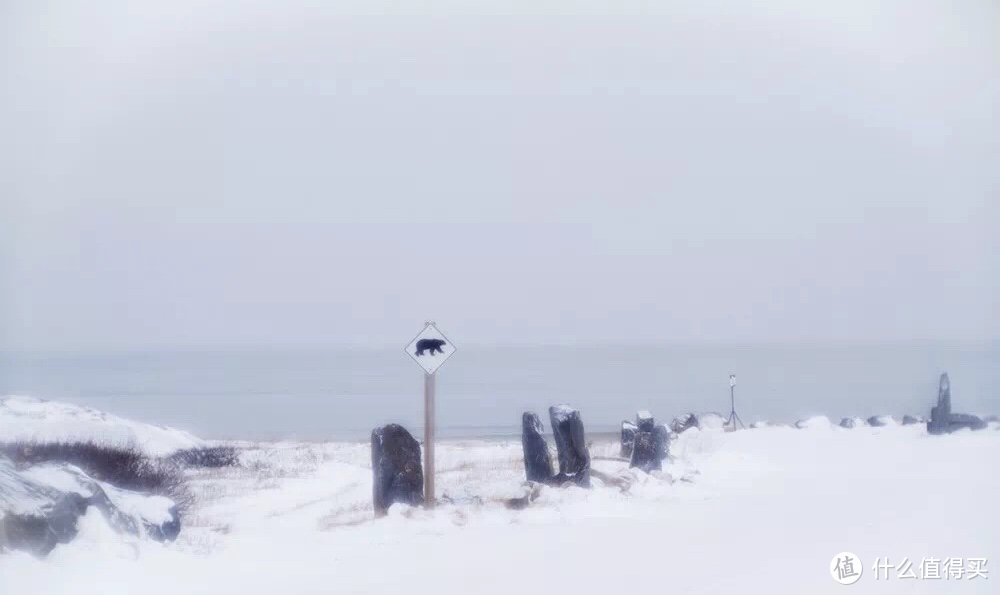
(429, 440)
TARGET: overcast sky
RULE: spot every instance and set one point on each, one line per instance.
(178, 173)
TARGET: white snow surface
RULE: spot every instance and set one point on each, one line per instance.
(755, 511)
(35, 420)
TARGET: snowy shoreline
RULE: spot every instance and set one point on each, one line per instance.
(759, 511)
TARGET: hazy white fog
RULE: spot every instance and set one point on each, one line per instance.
(246, 173)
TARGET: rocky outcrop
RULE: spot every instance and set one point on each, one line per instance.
(942, 420)
(571, 445)
(910, 420)
(397, 474)
(40, 507)
(683, 422)
(628, 438)
(537, 460)
(848, 422)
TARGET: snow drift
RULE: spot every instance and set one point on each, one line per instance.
(26, 419)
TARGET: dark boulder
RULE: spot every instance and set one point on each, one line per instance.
(628, 438)
(966, 420)
(397, 475)
(684, 422)
(878, 421)
(537, 460)
(943, 420)
(661, 440)
(909, 420)
(847, 422)
(644, 452)
(571, 444)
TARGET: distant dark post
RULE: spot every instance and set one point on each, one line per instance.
(733, 417)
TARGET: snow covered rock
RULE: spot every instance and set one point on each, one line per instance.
(661, 438)
(628, 438)
(537, 460)
(26, 419)
(644, 452)
(815, 422)
(909, 420)
(849, 422)
(879, 421)
(40, 506)
(644, 421)
(397, 475)
(684, 422)
(943, 420)
(711, 421)
(571, 444)
(703, 421)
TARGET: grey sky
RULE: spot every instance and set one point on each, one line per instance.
(218, 173)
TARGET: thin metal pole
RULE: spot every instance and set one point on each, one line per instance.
(429, 440)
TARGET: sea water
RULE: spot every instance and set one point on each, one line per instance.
(328, 393)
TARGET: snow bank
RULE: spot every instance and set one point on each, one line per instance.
(757, 511)
(816, 422)
(34, 420)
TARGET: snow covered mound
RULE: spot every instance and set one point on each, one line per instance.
(40, 507)
(34, 420)
(815, 422)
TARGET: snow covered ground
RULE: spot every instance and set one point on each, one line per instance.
(756, 511)
(26, 419)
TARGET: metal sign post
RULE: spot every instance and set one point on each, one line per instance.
(429, 440)
(429, 349)
(733, 417)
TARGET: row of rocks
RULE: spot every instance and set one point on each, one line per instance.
(571, 447)
(878, 421)
(644, 443)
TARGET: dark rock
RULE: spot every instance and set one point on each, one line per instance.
(571, 444)
(397, 475)
(166, 531)
(942, 420)
(684, 422)
(877, 421)
(531, 492)
(628, 438)
(661, 440)
(966, 420)
(909, 420)
(644, 421)
(644, 452)
(537, 460)
(847, 422)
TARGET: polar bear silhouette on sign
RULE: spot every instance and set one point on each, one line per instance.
(431, 345)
